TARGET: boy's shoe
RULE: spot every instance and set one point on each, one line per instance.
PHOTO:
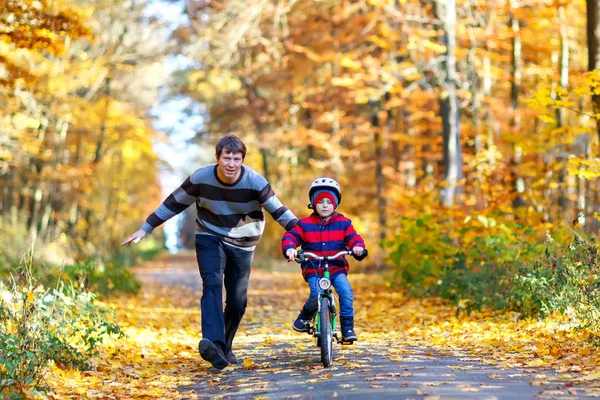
(347, 328)
(300, 325)
(231, 358)
(301, 322)
(212, 353)
(349, 335)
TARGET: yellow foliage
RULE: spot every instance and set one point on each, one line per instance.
(437, 48)
(23, 122)
(585, 168)
(344, 81)
(350, 63)
(380, 42)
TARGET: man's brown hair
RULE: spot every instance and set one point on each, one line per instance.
(231, 144)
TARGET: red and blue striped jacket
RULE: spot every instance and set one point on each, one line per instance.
(323, 237)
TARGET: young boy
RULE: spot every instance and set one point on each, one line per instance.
(325, 232)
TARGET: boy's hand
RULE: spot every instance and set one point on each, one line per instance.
(291, 254)
(358, 251)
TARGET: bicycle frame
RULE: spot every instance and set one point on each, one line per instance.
(326, 292)
(325, 286)
(326, 313)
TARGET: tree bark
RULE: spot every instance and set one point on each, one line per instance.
(477, 125)
(563, 199)
(593, 41)
(449, 108)
(517, 182)
(379, 178)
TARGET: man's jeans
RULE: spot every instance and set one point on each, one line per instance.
(218, 263)
(342, 287)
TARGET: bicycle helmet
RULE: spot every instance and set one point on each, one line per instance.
(321, 184)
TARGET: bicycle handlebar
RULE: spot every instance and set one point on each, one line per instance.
(304, 255)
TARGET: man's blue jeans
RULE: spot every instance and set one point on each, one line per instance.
(342, 287)
(218, 263)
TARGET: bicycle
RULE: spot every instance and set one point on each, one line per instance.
(323, 325)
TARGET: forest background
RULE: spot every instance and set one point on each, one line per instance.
(464, 133)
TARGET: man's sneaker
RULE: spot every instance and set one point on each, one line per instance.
(212, 353)
(231, 358)
(349, 335)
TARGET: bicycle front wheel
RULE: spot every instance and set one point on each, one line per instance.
(326, 334)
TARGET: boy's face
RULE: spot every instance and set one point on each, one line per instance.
(229, 166)
(324, 207)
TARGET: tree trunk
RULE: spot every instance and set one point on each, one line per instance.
(517, 182)
(265, 163)
(490, 124)
(593, 41)
(449, 109)
(6, 194)
(74, 208)
(98, 155)
(14, 204)
(309, 124)
(563, 199)
(477, 126)
(379, 178)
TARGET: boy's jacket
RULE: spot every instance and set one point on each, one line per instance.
(323, 238)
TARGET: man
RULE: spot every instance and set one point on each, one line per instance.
(229, 200)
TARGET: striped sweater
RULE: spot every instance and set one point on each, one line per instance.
(323, 237)
(232, 212)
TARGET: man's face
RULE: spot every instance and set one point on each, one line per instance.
(229, 166)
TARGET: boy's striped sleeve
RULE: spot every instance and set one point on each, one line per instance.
(352, 238)
(292, 238)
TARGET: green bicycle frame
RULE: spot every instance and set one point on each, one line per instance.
(328, 294)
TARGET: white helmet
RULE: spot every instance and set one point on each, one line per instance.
(324, 183)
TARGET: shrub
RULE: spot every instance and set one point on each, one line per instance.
(420, 252)
(492, 251)
(41, 325)
(15, 238)
(103, 279)
(565, 279)
(470, 260)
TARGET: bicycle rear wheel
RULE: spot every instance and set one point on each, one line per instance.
(326, 334)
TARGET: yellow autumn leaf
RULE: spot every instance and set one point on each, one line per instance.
(343, 81)
(380, 42)
(547, 119)
(30, 297)
(269, 341)
(436, 47)
(349, 63)
(21, 121)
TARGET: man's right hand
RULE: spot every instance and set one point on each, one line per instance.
(136, 237)
(291, 254)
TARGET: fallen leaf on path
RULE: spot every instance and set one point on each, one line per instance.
(249, 363)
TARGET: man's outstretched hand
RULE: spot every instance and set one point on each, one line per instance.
(136, 237)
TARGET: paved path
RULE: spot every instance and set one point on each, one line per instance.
(288, 366)
(288, 374)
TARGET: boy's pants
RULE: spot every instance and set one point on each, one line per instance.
(342, 287)
(218, 263)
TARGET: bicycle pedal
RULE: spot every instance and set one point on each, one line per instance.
(346, 342)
